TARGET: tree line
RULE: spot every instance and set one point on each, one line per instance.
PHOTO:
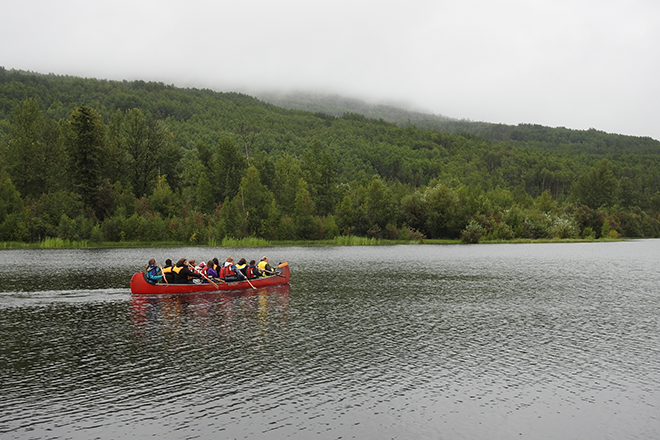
(83, 159)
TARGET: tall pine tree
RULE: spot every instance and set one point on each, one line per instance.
(85, 133)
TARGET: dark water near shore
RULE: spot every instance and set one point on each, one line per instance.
(540, 341)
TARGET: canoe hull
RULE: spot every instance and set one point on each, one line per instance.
(140, 286)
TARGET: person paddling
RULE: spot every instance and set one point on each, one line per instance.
(242, 265)
(154, 273)
(229, 271)
(184, 274)
(167, 271)
(211, 272)
(265, 267)
(252, 271)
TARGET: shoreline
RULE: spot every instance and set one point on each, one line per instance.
(248, 243)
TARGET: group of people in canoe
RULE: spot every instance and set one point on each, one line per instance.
(187, 271)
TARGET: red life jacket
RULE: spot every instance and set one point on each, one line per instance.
(226, 271)
(249, 272)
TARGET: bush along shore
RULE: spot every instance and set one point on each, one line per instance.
(250, 242)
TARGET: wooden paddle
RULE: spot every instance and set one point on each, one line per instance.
(161, 272)
(210, 280)
(275, 273)
(205, 277)
(250, 283)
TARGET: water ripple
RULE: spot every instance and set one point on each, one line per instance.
(545, 341)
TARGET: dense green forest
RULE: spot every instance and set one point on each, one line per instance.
(98, 160)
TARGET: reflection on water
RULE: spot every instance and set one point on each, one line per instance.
(210, 312)
(411, 342)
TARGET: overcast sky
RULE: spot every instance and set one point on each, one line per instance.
(571, 63)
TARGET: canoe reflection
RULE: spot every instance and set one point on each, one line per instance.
(209, 311)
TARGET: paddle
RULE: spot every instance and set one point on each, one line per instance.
(209, 280)
(275, 273)
(250, 284)
(205, 277)
(164, 277)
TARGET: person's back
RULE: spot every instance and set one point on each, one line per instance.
(252, 271)
(153, 272)
(241, 265)
(167, 271)
(211, 271)
(229, 271)
(265, 267)
(180, 271)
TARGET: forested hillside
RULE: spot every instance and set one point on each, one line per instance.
(561, 138)
(97, 160)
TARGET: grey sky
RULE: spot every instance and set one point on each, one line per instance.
(577, 63)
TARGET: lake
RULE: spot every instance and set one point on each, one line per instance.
(498, 341)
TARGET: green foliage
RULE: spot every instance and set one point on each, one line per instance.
(229, 223)
(304, 209)
(85, 142)
(204, 194)
(472, 232)
(26, 155)
(227, 167)
(10, 198)
(319, 172)
(243, 242)
(54, 243)
(13, 218)
(164, 201)
(352, 240)
(172, 164)
(274, 225)
(597, 188)
(253, 200)
(288, 175)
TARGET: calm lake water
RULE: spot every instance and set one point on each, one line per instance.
(533, 341)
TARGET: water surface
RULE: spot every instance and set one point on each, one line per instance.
(535, 341)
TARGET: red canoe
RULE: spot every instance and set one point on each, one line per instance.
(140, 285)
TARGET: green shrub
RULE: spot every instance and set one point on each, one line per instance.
(472, 232)
(352, 240)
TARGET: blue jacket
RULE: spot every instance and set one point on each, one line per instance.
(154, 274)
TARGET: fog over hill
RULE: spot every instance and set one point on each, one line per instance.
(337, 105)
(405, 115)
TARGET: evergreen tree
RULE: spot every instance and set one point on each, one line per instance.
(117, 158)
(414, 210)
(379, 207)
(85, 144)
(227, 168)
(162, 199)
(28, 164)
(319, 172)
(228, 225)
(12, 214)
(274, 227)
(204, 194)
(10, 198)
(599, 187)
(146, 146)
(287, 178)
(254, 200)
(303, 214)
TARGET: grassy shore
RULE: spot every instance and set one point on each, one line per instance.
(57, 243)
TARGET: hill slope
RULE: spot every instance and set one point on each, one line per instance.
(592, 140)
(81, 157)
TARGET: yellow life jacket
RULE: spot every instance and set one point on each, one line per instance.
(262, 267)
